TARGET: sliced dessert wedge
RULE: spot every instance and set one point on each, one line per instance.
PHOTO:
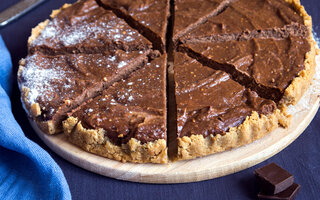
(150, 17)
(267, 66)
(249, 15)
(215, 113)
(84, 27)
(53, 85)
(188, 14)
(127, 122)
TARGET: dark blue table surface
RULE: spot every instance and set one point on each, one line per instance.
(301, 158)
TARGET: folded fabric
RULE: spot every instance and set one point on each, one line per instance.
(26, 170)
(5, 67)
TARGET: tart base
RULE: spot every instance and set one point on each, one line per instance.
(205, 168)
(93, 140)
(34, 110)
(253, 128)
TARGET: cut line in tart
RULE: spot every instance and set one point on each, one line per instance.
(85, 27)
(189, 14)
(97, 71)
(52, 85)
(149, 17)
(127, 122)
(209, 102)
(246, 16)
(266, 65)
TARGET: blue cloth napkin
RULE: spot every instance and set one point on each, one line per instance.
(26, 170)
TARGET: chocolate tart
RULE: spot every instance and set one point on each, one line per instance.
(97, 71)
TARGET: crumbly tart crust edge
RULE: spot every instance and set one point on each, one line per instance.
(253, 128)
(94, 141)
(33, 110)
(301, 83)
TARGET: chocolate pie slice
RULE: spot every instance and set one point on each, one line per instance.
(188, 14)
(127, 122)
(267, 66)
(150, 17)
(85, 27)
(247, 16)
(52, 85)
(215, 113)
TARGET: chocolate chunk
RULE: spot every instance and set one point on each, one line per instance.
(273, 179)
(287, 194)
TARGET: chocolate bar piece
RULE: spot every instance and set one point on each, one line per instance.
(287, 194)
(273, 179)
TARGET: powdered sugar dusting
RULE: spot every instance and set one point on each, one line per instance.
(49, 32)
(39, 79)
(122, 64)
(130, 98)
(109, 28)
(112, 58)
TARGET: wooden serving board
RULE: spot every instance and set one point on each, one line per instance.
(199, 169)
